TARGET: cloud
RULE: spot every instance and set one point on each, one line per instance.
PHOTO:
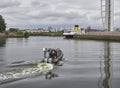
(8, 3)
(20, 13)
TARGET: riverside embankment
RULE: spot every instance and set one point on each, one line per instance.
(26, 34)
(112, 36)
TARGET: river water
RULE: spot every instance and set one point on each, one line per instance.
(88, 64)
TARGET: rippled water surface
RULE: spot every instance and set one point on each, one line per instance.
(89, 64)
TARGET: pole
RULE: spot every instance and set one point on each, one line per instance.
(109, 15)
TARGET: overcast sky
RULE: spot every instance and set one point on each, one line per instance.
(57, 13)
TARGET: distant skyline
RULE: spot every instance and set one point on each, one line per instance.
(56, 13)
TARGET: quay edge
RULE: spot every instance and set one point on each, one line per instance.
(112, 36)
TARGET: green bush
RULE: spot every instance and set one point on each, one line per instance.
(13, 30)
(19, 32)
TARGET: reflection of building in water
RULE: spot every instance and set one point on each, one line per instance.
(107, 68)
(77, 48)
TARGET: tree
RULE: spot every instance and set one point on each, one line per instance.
(2, 24)
(13, 29)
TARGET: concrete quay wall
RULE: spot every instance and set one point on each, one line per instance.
(113, 36)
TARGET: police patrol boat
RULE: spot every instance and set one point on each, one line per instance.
(52, 58)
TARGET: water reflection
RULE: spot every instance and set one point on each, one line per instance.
(77, 48)
(21, 41)
(106, 73)
(51, 75)
(2, 50)
(107, 68)
(2, 42)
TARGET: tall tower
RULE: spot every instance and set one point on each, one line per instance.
(107, 12)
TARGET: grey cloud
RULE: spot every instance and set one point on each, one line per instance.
(35, 3)
(117, 13)
(9, 3)
(28, 12)
(39, 3)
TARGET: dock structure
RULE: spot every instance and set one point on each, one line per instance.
(112, 36)
(107, 14)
